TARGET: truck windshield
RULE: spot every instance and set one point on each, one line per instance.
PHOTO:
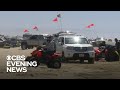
(75, 40)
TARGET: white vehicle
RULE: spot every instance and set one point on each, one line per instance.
(74, 47)
(100, 41)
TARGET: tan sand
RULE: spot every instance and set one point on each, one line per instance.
(99, 70)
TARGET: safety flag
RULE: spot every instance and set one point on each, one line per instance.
(35, 28)
(55, 20)
(26, 30)
(89, 26)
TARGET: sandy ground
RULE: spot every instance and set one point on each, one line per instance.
(99, 70)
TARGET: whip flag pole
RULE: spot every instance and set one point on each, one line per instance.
(59, 16)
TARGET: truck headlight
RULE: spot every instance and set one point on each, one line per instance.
(69, 48)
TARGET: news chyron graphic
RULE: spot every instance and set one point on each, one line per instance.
(17, 63)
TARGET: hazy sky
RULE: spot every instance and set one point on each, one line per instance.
(107, 23)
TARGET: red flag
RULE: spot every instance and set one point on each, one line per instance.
(36, 28)
(88, 26)
(92, 25)
(55, 20)
(26, 30)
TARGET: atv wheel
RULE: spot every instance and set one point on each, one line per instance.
(50, 65)
(28, 58)
(56, 64)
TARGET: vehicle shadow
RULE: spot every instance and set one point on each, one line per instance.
(73, 61)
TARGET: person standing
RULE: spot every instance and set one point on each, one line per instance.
(51, 46)
(117, 44)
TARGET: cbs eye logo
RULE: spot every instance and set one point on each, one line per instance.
(8, 57)
(15, 57)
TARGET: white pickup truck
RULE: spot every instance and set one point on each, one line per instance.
(73, 47)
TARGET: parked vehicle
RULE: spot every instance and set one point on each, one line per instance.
(52, 60)
(73, 47)
(33, 41)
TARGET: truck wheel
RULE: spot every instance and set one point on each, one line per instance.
(91, 61)
(24, 46)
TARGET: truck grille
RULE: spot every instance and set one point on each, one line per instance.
(80, 49)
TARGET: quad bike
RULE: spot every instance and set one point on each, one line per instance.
(99, 53)
(112, 54)
(52, 60)
(109, 53)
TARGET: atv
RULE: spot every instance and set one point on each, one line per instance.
(52, 60)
